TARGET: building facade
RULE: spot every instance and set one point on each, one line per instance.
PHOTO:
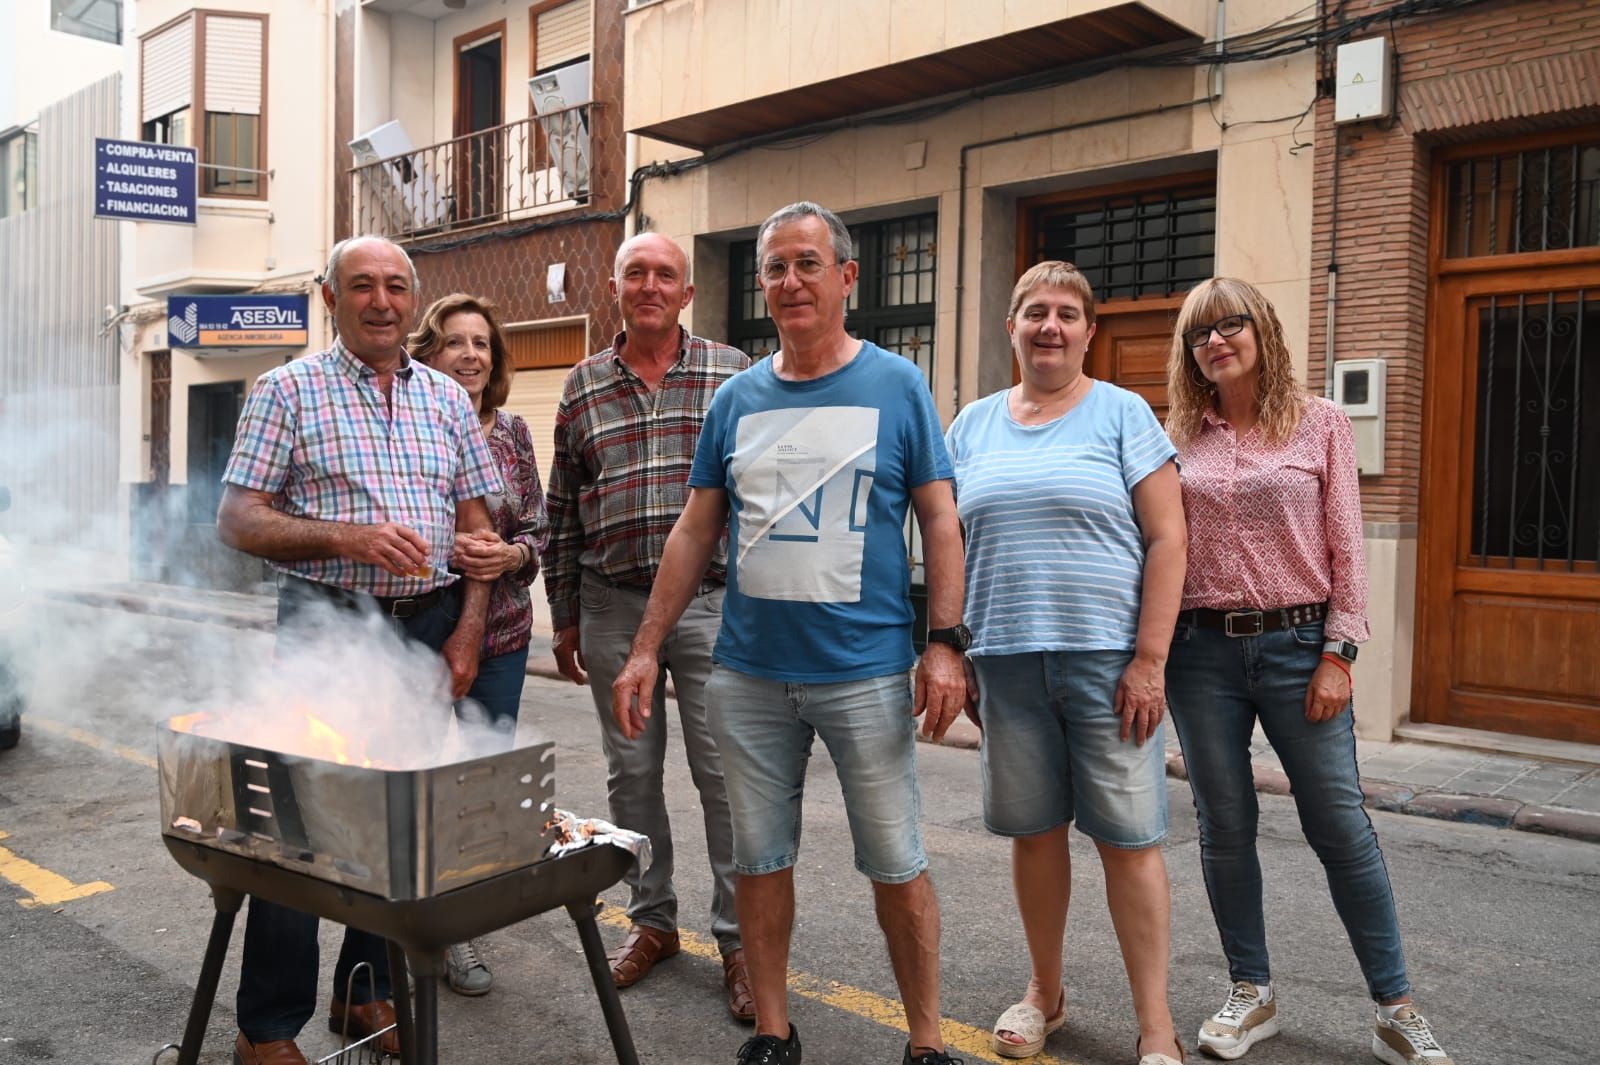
(59, 89)
(1157, 143)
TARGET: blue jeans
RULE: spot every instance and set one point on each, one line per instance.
(278, 971)
(498, 687)
(1217, 687)
(764, 729)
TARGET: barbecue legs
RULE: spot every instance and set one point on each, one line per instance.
(594, 952)
(227, 902)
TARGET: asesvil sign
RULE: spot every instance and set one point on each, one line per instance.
(277, 321)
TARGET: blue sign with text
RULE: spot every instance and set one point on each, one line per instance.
(275, 321)
(144, 182)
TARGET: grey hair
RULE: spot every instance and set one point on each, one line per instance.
(844, 249)
(330, 276)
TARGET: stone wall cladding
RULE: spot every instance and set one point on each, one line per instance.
(1384, 189)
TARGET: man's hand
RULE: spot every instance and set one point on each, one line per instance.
(460, 653)
(1327, 693)
(483, 556)
(1142, 698)
(395, 548)
(631, 693)
(569, 655)
(941, 689)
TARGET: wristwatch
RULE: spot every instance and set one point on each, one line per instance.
(957, 636)
(1341, 649)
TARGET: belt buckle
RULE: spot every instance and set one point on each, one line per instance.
(1249, 615)
(403, 608)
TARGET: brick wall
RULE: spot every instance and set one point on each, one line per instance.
(1489, 70)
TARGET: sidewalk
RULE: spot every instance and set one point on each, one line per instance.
(1550, 795)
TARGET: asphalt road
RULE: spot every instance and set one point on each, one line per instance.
(1502, 928)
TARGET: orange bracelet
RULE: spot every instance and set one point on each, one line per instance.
(1328, 656)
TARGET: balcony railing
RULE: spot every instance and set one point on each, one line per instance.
(485, 178)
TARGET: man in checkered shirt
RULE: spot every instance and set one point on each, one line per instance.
(625, 435)
(351, 474)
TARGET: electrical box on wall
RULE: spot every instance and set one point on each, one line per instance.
(1358, 390)
(1364, 81)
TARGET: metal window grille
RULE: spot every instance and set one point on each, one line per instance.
(892, 304)
(1511, 203)
(1538, 434)
(1155, 243)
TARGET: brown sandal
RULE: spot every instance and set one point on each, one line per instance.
(639, 953)
(736, 978)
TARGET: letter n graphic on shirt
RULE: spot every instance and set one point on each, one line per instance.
(803, 477)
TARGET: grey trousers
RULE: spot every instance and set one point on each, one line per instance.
(607, 620)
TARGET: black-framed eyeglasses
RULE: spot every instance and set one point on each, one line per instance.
(1200, 335)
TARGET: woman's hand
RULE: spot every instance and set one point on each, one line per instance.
(1327, 694)
(1142, 697)
(483, 556)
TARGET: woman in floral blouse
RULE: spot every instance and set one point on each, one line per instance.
(1274, 603)
(460, 336)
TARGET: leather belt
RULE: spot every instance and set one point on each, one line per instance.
(1255, 622)
(395, 606)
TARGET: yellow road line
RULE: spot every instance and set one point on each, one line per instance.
(963, 1039)
(43, 887)
(89, 739)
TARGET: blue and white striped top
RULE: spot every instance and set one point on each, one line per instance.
(1054, 554)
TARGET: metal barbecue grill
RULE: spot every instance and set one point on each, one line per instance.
(423, 857)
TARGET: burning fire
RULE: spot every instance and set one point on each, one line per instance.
(316, 738)
(324, 741)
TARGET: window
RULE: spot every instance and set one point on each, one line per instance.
(1541, 199)
(98, 20)
(561, 34)
(1154, 242)
(230, 53)
(19, 169)
(892, 304)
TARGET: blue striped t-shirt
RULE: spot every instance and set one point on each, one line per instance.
(1054, 554)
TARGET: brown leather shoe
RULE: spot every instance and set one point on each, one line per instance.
(638, 954)
(365, 1019)
(272, 1052)
(736, 978)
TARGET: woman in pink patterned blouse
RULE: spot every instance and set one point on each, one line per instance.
(1274, 604)
(460, 337)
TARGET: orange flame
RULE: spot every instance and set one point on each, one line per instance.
(188, 722)
(324, 741)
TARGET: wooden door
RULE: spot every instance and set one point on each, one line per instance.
(1509, 539)
(480, 94)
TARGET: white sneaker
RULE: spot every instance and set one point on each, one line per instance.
(1407, 1040)
(1242, 1022)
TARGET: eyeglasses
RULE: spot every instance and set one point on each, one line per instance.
(773, 271)
(1200, 335)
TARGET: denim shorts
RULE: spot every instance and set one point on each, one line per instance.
(765, 728)
(1053, 752)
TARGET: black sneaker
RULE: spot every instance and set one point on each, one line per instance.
(770, 1050)
(932, 1057)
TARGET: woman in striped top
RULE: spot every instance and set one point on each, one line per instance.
(1273, 607)
(1075, 551)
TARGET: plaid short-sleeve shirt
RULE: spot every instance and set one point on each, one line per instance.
(319, 436)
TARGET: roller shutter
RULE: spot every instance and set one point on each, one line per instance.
(166, 82)
(561, 35)
(233, 64)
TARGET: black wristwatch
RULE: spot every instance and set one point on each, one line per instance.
(1341, 649)
(957, 636)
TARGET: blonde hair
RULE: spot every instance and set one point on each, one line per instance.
(428, 341)
(1053, 273)
(1279, 395)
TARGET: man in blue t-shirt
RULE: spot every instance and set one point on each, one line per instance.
(812, 458)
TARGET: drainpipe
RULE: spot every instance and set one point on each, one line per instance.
(1220, 65)
(961, 191)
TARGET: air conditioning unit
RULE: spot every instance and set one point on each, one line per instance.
(407, 199)
(566, 134)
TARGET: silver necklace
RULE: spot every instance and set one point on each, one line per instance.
(1035, 408)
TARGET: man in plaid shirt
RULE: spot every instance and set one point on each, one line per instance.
(625, 436)
(351, 473)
